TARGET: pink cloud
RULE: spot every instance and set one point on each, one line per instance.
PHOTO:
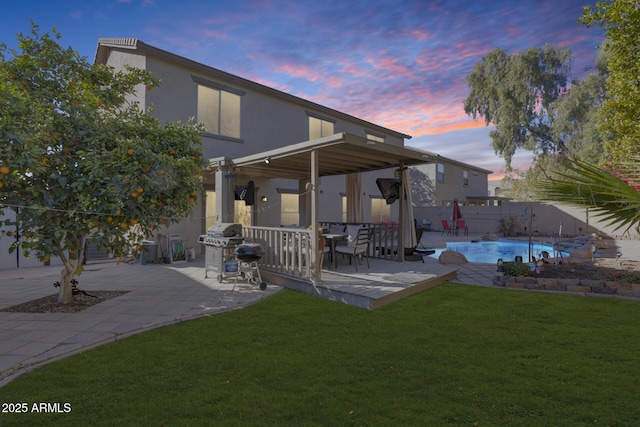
(210, 34)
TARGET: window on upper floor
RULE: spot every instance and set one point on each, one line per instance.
(440, 172)
(319, 127)
(219, 110)
(375, 138)
(465, 178)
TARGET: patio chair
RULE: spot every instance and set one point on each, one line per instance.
(357, 247)
(446, 227)
(420, 248)
(460, 225)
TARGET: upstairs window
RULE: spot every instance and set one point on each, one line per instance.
(440, 173)
(375, 138)
(319, 127)
(219, 108)
(465, 178)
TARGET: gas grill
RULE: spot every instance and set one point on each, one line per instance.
(220, 242)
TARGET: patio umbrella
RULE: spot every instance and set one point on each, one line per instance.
(355, 212)
(409, 224)
(456, 212)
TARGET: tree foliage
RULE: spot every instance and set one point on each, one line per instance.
(80, 162)
(613, 198)
(515, 93)
(576, 117)
(621, 111)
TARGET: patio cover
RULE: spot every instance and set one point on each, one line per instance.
(338, 154)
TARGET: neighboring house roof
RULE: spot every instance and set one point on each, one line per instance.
(464, 165)
(105, 44)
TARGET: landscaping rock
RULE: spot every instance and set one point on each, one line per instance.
(452, 257)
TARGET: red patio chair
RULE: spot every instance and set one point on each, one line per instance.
(445, 227)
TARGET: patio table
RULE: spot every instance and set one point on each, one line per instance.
(334, 238)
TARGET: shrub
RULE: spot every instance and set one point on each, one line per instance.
(630, 277)
(516, 269)
(507, 226)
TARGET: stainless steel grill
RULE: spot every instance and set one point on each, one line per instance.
(220, 242)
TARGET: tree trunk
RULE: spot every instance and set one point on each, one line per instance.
(65, 296)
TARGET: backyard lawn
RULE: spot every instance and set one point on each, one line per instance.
(452, 355)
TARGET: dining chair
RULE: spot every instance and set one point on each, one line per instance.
(357, 247)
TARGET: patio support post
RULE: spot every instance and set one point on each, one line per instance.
(316, 272)
(224, 192)
(401, 221)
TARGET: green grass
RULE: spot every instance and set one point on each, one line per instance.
(453, 355)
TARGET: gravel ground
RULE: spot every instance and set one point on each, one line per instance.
(50, 304)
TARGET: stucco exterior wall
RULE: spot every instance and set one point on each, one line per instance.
(427, 191)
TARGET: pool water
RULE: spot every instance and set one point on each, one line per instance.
(488, 252)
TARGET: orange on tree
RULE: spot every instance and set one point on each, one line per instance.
(4, 170)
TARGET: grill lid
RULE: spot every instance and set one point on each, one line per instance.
(225, 229)
(249, 252)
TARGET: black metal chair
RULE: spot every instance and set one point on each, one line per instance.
(357, 247)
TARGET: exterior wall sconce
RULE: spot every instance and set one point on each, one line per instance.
(264, 198)
(500, 265)
(267, 160)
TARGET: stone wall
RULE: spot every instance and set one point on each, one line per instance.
(584, 286)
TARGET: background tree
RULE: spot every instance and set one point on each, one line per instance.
(515, 93)
(575, 122)
(621, 111)
(82, 163)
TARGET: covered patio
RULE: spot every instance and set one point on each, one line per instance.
(292, 253)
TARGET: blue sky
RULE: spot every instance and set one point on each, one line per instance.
(401, 64)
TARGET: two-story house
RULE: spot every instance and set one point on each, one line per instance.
(244, 118)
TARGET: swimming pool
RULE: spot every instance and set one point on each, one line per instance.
(489, 251)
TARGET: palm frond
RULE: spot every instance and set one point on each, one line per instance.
(613, 199)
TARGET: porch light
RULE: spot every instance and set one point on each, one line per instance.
(264, 198)
(500, 265)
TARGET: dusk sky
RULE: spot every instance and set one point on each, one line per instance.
(400, 64)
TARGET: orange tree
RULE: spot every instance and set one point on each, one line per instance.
(79, 161)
